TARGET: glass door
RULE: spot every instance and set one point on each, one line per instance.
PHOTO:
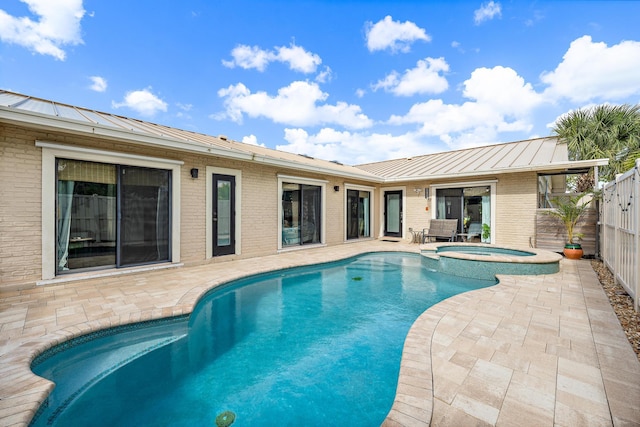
(224, 189)
(358, 214)
(393, 213)
(144, 215)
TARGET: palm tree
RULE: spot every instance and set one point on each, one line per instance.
(603, 131)
(569, 210)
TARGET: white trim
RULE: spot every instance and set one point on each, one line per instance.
(52, 151)
(106, 154)
(323, 202)
(458, 184)
(237, 173)
(359, 187)
(382, 207)
(492, 184)
(371, 190)
(67, 278)
(301, 180)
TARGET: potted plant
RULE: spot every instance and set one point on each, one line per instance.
(569, 210)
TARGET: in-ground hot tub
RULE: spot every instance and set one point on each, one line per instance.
(482, 261)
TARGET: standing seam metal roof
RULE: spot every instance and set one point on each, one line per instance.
(533, 154)
(14, 102)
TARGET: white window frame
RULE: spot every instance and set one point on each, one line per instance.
(492, 184)
(382, 207)
(323, 201)
(371, 190)
(210, 171)
(52, 151)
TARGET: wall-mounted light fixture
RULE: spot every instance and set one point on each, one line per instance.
(336, 188)
(426, 192)
(417, 190)
(194, 173)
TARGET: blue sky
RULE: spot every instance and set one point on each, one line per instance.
(353, 81)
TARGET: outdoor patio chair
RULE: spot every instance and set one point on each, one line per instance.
(443, 229)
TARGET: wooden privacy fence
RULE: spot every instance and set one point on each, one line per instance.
(620, 237)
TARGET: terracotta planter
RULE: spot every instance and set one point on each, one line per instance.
(573, 251)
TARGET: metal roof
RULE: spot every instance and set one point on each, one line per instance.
(41, 113)
(542, 154)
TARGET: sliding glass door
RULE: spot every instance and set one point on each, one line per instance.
(144, 215)
(471, 206)
(301, 214)
(111, 215)
(358, 214)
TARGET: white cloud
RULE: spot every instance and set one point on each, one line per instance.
(502, 89)
(248, 57)
(593, 71)
(142, 101)
(252, 140)
(424, 78)
(57, 25)
(487, 12)
(296, 104)
(499, 101)
(325, 75)
(98, 84)
(296, 57)
(393, 35)
(184, 110)
(352, 148)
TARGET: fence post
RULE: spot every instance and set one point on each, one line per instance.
(636, 229)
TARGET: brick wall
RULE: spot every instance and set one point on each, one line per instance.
(516, 206)
(20, 199)
(21, 193)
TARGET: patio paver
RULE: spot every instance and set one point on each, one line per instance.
(532, 350)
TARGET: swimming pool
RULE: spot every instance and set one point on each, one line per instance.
(305, 346)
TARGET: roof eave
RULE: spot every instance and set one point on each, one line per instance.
(290, 164)
(46, 122)
(567, 167)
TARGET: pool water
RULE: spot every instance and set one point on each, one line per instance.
(306, 346)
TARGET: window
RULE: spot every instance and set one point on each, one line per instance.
(301, 211)
(471, 206)
(358, 214)
(111, 215)
(301, 214)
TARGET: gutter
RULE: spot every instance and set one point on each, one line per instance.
(551, 167)
(48, 122)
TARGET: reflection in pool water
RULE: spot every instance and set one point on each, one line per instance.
(307, 346)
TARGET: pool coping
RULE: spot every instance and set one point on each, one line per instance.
(592, 374)
(540, 256)
(34, 319)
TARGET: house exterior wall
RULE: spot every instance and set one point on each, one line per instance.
(20, 213)
(21, 257)
(515, 206)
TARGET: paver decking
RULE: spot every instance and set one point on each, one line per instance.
(532, 350)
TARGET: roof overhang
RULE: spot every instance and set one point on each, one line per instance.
(47, 122)
(568, 167)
